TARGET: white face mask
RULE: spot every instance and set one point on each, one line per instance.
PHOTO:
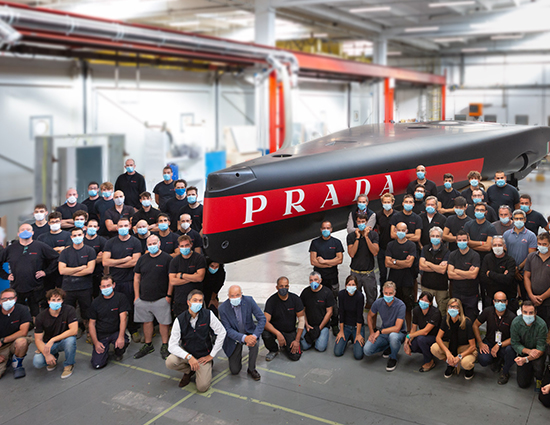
(498, 250)
(55, 227)
(119, 201)
(185, 226)
(71, 199)
(39, 216)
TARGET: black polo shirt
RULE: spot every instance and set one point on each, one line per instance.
(186, 266)
(455, 224)
(326, 249)
(10, 323)
(283, 313)
(316, 304)
(496, 323)
(506, 195)
(122, 249)
(398, 251)
(433, 280)
(432, 317)
(169, 242)
(363, 259)
(413, 221)
(67, 212)
(39, 231)
(113, 215)
(480, 232)
(154, 280)
(438, 220)
(106, 313)
(90, 204)
(98, 244)
(383, 226)
(490, 216)
(447, 199)
(196, 216)
(132, 186)
(172, 208)
(196, 238)
(464, 335)
(60, 239)
(534, 221)
(74, 258)
(466, 287)
(101, 207)
(150, 216)
(431, 187)
(467, 194)
(52, 326)
(165, 191)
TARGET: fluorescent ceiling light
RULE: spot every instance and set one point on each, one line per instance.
(507, 37)
(474, 49)
(321, 35)
(394, 53)
(453, 3)
(370, 9)
(184, 24)
(421, 29)
(450, 40)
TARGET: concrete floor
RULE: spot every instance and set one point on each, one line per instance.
(318, 389)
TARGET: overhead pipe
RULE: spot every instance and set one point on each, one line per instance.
(286, 104)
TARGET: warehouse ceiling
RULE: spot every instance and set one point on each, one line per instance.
(412, 27)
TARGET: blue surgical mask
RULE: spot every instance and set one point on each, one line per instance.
(504, 220)
(25, 234)
(167, 177)
(448, 185)
(8, 305)
(91, 231)
(180, 192)
(196, 307)
(351, 289)
(519, 224)
(420, 175)
(423, 304)
(430, 210)
(387, 207)
(476, 200)
(77, 240)
(435, 241)
(212, 270)
(142, 231)
(524, 208)
(418, 195)
(500, 183)
(191, 199)
(479, 215)
(283, 292)
(401, 235)
(163, 226)
(528, 319)
(453, 312)
(146, 202)
(498, 305)
(362, 206)
(153, 249)
(123, 231)
(55, 305)
(107, 291)
(106, 194)
(542, 249)
(388, 298)
(130, 169)
(408, 207)
(462, 245)
(79, 223)
(235, 302)
(92, 193)
(325, 233)
(459, 212)
(314, 285)
(185, 251)
(361, 226)
(474, 182)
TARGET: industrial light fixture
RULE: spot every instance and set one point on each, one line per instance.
(453, 3)
(449, 40)
(394, 53)
(507, 37)
(184, 24)
(421, 29)
(474, 49)
(320, 35)
(370, 9)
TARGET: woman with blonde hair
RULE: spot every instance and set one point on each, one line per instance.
(455, 342)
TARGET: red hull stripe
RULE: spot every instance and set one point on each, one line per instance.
(235, 212)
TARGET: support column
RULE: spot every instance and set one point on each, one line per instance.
(273, 145)
(379, 57)
(264, 24)
(389, 88)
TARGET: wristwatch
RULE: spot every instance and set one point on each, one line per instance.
(526, 359)
(499, 344)
(460, 356)
(2, 341)
(188, 357)
(394, 262)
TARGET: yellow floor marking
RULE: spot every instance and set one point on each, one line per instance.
(161, 414)
(276, 372)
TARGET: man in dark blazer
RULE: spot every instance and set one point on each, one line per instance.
(236, 317)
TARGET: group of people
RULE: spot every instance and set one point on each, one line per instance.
(124, 263)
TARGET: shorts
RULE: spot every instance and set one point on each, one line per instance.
(84, 299)
(147, 311)
(406, 294)
(8, 349)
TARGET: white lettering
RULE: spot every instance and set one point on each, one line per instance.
(331, 196)
(359, 185)
(388, 188)
(296, 205)
(250, 207)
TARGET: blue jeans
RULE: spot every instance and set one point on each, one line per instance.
(68, 345)
(394, 341)
(422, 344)
(506, 354)
(320, 343)
(349, 334)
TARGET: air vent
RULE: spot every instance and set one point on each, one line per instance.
(418, 127)
(282, 155)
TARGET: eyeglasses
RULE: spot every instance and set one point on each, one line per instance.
(500, 301)
(453, 306)
(7, 299)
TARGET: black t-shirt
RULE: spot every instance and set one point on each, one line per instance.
(172, 208)
(384, 227)
(363, 259)
(534, 221)
(432, 317)
(438, 220)
(106, 313)
(90, 204)
(467, 194)
(350, 308)
(496, 323)
(113, 215)
(169, 242)
(101, 207)
(419, 206)
(434, 280)
(39, 231)
(447, 199)
(132, 186)
(165, 191)
(466, 287)
(154, 276)
(480, 232)
(455, 224)
(316, 304)
(283, 313)
(98, 244)
(143, 242)
(195, 236)
(150, 216)
(196, 216)
(464, 335)
(10, 323)
(506, 195)
(122, 249)
(491, 215)
(62, 238)
(53, 326)
(75, 258)
(326, 249)
(413, 221)
(67, 212)
(431, 187)
(400, 251)
(186, 266)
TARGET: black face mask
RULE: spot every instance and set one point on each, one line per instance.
(283, 292)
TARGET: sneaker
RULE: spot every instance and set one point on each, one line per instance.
(136, 337)
(144, 350)
(164, 351)
(503, 378)
(449, 371)
(386, 353)
(468, 374)
(392, 364)
(51, 368)
(19, 372)
(271, 355)
(67, 371)
(538, 385)
(89, 339)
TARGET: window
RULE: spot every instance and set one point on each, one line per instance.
(461, 117)
(490, 118)
(522, 119)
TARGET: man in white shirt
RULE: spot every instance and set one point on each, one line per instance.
(191, 330)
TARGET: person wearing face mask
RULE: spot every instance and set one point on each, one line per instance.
(419, 199)
(186, 228)
(411, 219)
(282, 310)
(69, 208)
(474, 178)
(447, 196)
(389, 337)
(237, 315)
(29, 262)
(528, 333)
(430, 218)
(168, 239)
(40, 225)
(108, 320)
(463, 270)
(15, 322)
(455, 341)
(431, 187)
(496, 349)
(383, 228)
(103, 204)
(118, 212)
(504, 221)
(146, 212)
(318, 303)
(455, 223)
(480, 233)
(325, 254)
(56, 329)
(131, 183)
(361, 208)
(142, 233)
(187, 272)
(192, 329)
(351, 320)
(151, 301)
(80, 218)
(77, 265)
(194, 208)
(91, 200)
(214, 278)
(121, 255)
(498, 274)
(502, 193)
(93, 240)
(425, 326)
(477, 197)
(537, 277)
(535, 220)
(164, 190)
(174, 205)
